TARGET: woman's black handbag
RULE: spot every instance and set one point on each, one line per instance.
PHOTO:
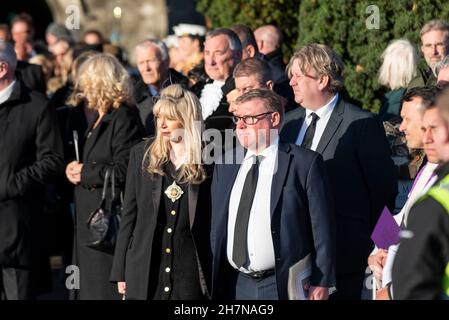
(104, 222)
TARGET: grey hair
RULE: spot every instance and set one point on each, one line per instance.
(399, 66)
(159, 44)
(444, 63)
(8, 55)
(435, 25)
(233, 39)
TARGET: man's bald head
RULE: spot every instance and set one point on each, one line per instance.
(268, 38)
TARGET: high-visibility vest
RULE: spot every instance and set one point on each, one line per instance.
(441, 194)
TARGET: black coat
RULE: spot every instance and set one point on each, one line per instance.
(108, 146)
(32, 75)
(276, 58)
(362, 175)
(421, 261)
(132, 259)
(31, 155)
(221, 118)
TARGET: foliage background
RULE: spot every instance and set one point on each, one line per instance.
(340, 24)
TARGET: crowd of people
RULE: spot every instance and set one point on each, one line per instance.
(231, 166)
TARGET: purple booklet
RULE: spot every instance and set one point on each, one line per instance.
(386, 232)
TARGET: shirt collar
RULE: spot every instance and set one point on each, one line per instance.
(267, 152)
(153, 90)
(325, 110)
(5, 94)
(218, 83)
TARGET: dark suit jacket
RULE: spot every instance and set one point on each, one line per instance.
(32, 75)
(132, 258)
(362, 176)
(301, 217)
(221, 118)
(31, 156)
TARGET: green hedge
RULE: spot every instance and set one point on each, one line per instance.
(255, 13)
(340, 24)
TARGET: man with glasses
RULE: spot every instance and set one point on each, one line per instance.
(355, 152)
(271, 207)
(434, 46)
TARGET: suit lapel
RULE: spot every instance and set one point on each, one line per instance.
(283, 163)
(156, 191)
(229, 175)
(332, 126)
(291, 129)
(193, 199)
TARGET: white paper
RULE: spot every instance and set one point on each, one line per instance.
(299, 276)
(75, 142)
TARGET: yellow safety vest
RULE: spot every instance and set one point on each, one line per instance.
(441, 194)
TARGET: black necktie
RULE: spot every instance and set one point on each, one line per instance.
(239, 255)
(310, 132)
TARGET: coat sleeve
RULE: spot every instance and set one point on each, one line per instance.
(377, 166)
(128, 131)
(421, 260)
(49, 160)
(321, 209)
(129, 216)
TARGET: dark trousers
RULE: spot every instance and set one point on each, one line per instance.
(236, 285)
(248, 288)
(14, 283)
(349, 287)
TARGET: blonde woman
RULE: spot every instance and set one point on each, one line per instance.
(399, 67)
(104, 86)
(163, 248)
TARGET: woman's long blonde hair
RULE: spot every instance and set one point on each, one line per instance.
(176, 103)
(103, 83)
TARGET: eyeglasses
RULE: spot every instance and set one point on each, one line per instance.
(251, 120)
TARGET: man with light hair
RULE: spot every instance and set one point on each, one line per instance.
(434, 46)
(153, 64)
(269, 41)
(356, 154)
(31, 156)
(442, 71)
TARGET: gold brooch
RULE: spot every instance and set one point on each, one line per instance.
(174, 192)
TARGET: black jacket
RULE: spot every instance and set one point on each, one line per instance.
(31, 155)
(132, 259)
(107, 147)
(276, 58)
(421, 260)
(32, 76)
(362, 176)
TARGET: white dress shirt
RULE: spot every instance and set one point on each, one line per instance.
(324, 113)
(260, 243)
(6, 93)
